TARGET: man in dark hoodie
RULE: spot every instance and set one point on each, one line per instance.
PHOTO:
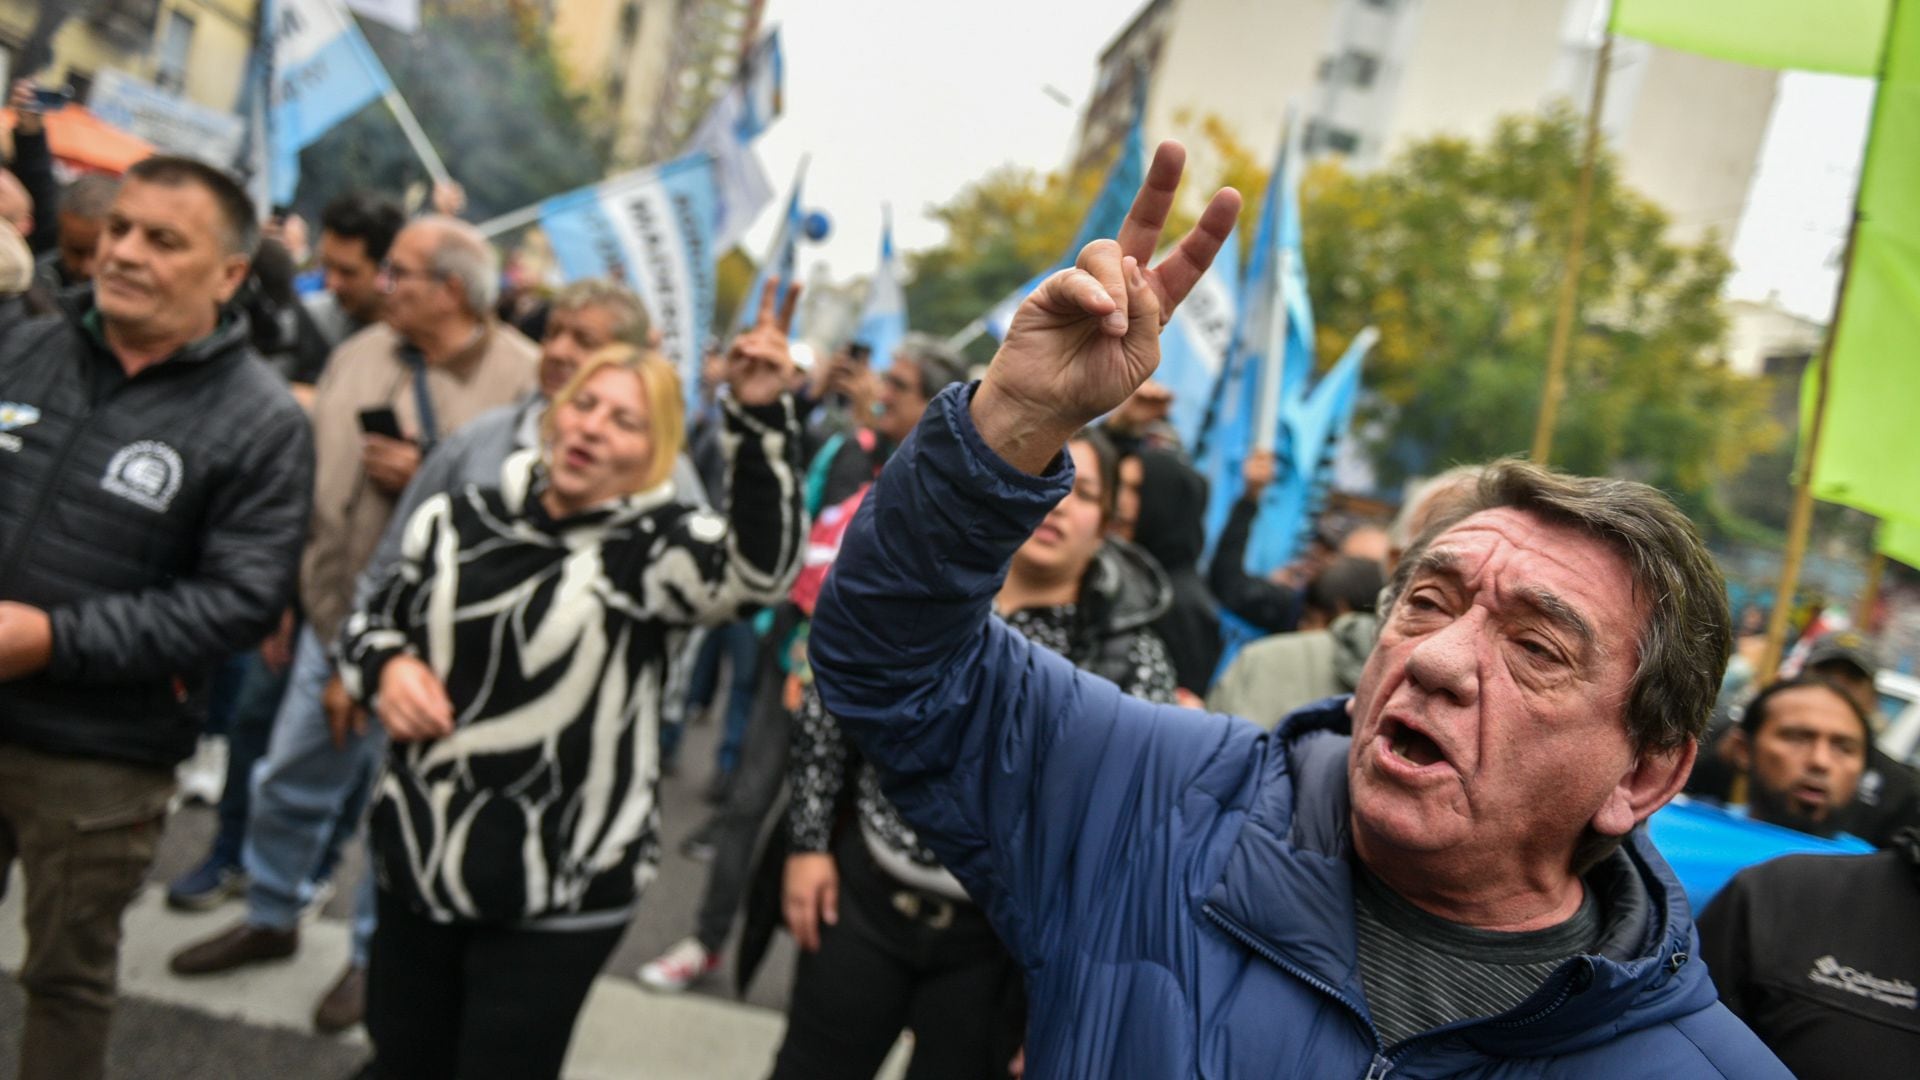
(1171, 527)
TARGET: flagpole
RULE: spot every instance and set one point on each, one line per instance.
(1870, 592)
(1800, 523)
(416, 138)
(511, 220)
(1570, 274)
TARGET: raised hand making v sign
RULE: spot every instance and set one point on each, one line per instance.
(1090, 334)
(759, 361)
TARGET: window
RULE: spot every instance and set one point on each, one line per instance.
(1361, 68)
(1331, 139)
(176, 41)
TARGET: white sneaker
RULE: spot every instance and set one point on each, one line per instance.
(318, 893)
(679, 967)
(203, 776)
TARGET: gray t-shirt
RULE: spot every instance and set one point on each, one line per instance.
(1422, 972)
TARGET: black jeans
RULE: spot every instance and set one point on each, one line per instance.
(476, 1002)
(943, 974)
(735, 826)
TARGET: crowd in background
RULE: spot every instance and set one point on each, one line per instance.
(461, 564)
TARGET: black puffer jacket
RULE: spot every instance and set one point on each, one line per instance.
(158, 520)
(1122, 594)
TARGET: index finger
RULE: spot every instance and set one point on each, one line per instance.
(768, 292)
(787, 308)
(1140, 233)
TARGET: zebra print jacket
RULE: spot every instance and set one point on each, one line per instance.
(553, 640)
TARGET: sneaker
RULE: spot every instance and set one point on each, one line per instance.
(679, 967)
(202, 777)
(698, 846)
(318, 893)
(206, 886)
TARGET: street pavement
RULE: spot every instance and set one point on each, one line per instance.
(257, 1023)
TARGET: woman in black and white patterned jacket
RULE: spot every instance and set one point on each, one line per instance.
(515, 655)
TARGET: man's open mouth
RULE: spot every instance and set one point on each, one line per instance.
(1412, 746)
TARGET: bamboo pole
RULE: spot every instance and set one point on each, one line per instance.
(1570, 276)
(1801, 522)
(1863, 608)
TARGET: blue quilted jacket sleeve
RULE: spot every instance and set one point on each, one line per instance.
(1042, 788)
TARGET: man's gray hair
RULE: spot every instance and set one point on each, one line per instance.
(939, 364)
(630, 322)
(1430, 497)
(1688, 635)
(461, 252)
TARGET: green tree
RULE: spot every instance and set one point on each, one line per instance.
(484, 83)
(1001, 230)
(1455, 251)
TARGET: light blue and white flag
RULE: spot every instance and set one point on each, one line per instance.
(883, 322)
(652, 228)
(322, 72)
(782, 259)
(1314, 426)
(1104, 218)
(1195, 344)
(727, 133)
(402, 15)
(1272, 356)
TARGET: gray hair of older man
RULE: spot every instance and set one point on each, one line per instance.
(460, 252)
(1428, 499)
(939, 364)
(630, 322)
(1688, 635)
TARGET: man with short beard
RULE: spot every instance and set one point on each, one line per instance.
(1803, 745)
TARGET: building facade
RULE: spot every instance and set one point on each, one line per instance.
(195, 48)
(1370, 76)
(655, 66)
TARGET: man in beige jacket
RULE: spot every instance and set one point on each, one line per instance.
(436, 361)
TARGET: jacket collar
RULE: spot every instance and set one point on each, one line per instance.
(1288, 886)
(230, 333)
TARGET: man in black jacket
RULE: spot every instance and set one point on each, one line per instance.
(154, 487)
(1820, 955)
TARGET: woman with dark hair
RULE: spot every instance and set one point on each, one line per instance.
(889, 938)
(515, 653)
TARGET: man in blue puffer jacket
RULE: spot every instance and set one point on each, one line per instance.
(1444, 875)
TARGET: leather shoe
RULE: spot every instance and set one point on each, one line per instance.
(235, 947)
(344, 1005)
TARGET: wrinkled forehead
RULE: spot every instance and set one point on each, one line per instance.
(1512, 556)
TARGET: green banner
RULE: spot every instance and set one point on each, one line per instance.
(1901, 540)
(1837, 36)
(1870, 444)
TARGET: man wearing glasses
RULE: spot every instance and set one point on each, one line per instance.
(388, 395)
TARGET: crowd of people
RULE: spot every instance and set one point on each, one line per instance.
(454, 587)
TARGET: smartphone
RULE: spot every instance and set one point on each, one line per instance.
(48, 99)
(381, 421)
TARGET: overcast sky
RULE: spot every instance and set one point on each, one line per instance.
(909, 102)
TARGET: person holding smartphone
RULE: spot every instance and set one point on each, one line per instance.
(388, 395)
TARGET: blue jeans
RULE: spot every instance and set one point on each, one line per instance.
(302, 789)
(741, 647)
